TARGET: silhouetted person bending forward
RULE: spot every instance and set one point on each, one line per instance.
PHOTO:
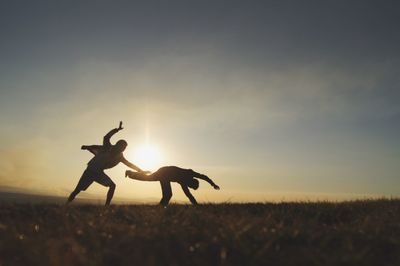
(106, 156)
(168, 174)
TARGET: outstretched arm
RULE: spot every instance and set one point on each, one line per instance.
(107, 137)
(131, 165)
(188, 194)
(95, 149)
(206, 178)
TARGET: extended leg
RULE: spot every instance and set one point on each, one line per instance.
(140, 176)
(166, 191)
(84, 182)
(73, 195)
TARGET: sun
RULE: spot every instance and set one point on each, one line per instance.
(147, 157)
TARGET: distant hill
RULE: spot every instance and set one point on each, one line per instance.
(20, 197)
(16, 195)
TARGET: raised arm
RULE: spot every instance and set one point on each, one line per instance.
(206, 178)
(107, 137)
(188, 194)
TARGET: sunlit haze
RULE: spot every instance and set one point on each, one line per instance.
(273, 100)
(146, 156)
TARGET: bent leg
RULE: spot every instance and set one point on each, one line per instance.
(106, 181)
(166, 191)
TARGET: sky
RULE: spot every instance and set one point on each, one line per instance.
(274, 100)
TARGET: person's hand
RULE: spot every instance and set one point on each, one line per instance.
(216, 187)
(120, 126)
(83, 147)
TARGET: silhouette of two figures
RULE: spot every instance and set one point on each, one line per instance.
(107, 156)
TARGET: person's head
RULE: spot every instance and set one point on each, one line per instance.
(120, 146)
(193, 183)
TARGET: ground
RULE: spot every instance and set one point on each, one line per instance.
(322, 233)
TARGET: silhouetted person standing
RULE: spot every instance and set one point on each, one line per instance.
(106, 156)
(168, 174)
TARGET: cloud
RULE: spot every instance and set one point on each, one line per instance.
(207, 79)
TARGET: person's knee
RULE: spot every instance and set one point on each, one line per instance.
(112, 186)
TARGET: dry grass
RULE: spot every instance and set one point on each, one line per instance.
(350, 233)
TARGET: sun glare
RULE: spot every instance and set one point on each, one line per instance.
(147, 157)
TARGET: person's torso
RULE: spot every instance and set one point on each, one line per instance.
(105, 159)
(174, 174)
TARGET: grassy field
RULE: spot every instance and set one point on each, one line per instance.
(349, 233)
